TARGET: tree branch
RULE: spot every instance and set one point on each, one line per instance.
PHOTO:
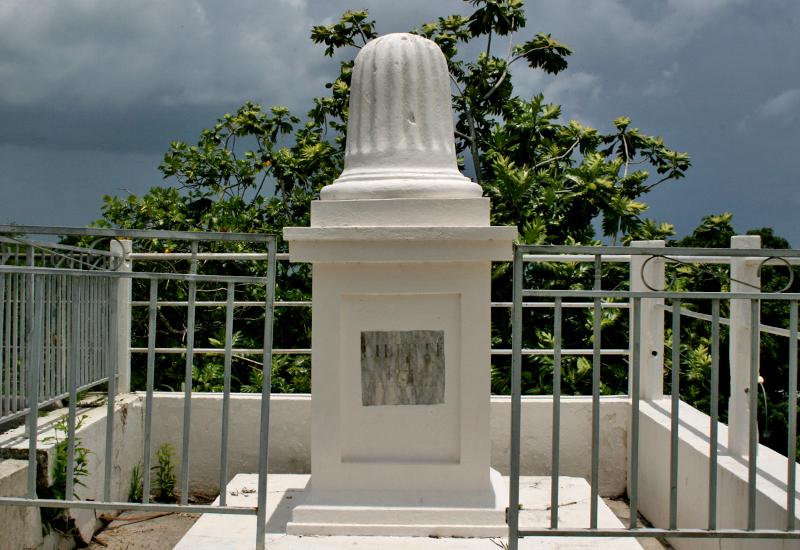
(502, 78)
(473, 146)
(463, 135)
(363, 36)
(662, 180)
(559, 157)
(627, 156)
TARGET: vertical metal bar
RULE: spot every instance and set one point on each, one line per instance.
(50, 341)
(791, 453)
(226, 397)
(47, 340)
(187, 383)
(263, 448)
(148, 409)
(97, 361)
(675, 414)
(55, 334)
(555, 469)
(19, 374)
(26, 333)
(3, 343)
(43, 299)
(33, 330)
(87, 365)
(110, 317)
(752, 454)
(91, 364)
(58, 336)
(713, 442)
(516, 401)
(596, 366)
(66, 326)
(634, 461)
(83, 322)
(94, 327)
(8, 304)
(73, 393)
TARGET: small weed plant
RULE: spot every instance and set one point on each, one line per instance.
(58, 519)
(136, 487)
(164, 471)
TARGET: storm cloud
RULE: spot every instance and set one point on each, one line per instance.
(92, 92)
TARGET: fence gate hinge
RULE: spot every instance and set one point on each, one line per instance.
(506, 515)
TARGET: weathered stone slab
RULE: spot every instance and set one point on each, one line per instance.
(402, 367)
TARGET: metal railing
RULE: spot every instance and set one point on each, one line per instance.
(78, 281)
(170, 257)
(651, 298)
(48, 312)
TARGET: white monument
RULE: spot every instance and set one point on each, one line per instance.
(401, 249)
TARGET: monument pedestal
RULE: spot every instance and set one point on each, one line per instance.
(403, 521)
(401, 372)
(401, 249)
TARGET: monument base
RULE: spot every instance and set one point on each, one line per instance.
(287, 492)
(403, 521)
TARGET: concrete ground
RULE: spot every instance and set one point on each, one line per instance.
(138, 530)
(286, 491)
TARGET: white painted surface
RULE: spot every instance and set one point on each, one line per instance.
(401, 212)
(576, 438)
(400, 128)
(290, 436)
(123, 247)
(744, 278)
(647, 273)
(21, 527)
(290, 452)
(396, 245)
(401, 454)
(383, 262)
(416, 519)
(126, 451)
(287, 492)
(693, 478)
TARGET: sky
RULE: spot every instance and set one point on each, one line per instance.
(93, 91)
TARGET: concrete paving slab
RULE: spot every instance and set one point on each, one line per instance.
(285, 492)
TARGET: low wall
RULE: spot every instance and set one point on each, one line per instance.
(693, 476)
(21, 526)
(290, 436)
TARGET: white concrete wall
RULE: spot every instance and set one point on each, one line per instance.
(290, 436)
(21, 526)
(24, 523)
(576, 438)
(290, 453)
(693, 460)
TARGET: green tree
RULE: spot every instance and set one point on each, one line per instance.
(258, 169)
(715, 231)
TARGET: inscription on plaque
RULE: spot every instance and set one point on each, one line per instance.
(402, 367)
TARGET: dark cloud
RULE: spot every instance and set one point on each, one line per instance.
(92, 92)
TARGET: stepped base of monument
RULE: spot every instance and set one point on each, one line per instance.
(450, 520)
(288, 494)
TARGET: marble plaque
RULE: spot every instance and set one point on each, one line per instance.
(402, 367)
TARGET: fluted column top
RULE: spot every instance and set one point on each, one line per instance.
(400, 129)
